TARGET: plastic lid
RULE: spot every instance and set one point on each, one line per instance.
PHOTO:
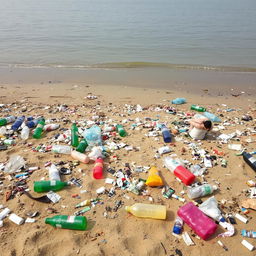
(176, 230)
(127, 208)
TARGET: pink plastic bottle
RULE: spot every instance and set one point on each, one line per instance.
(197, 220)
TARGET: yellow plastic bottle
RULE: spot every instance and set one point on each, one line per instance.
(154, 180)
(147, 211)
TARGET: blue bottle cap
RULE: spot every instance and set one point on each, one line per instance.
(176, 230)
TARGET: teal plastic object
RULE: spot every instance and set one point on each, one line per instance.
(179, 101)
(212, 117)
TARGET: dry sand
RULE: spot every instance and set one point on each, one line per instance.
(121, 234)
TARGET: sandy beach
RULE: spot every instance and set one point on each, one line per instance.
(112, 232)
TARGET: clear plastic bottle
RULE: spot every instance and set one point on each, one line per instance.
(53, 172)
(61, 149)
(178, 224)
(83, 158)
(147, 211)
(176, 167)
(24, 133)
(68, 222)
(199, 191)
(248, 233)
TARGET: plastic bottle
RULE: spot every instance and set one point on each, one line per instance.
(24, 133)
(83, 158)
(7, 120)
(74, 135)
(4, 213)
(95, 153)
(248, 233)
(109, 129)
(98, 168)
(198, 108)
(39, 129)
(93, 136)
(147, 211)
(250, 160)
(210, 208)
(121, 131)
(51, 127)
(154, 180)
(166, 134)
(179, 101)
(199, 191)
(32, 123)
(195, 219)
(68, 222)
(53, 172)
(18, 122)
(49, 185)
(61, 149)
(237, 147)
(178, 224)
(176, 167)
(82, 146)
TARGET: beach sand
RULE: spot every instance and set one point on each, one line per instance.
(121, 233)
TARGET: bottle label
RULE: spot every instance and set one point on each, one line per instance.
(71, 219)
(252, 159)
(53, 183)
(39, 126)
(58, 226)
(207, 190)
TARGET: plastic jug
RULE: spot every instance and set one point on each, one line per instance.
(197, 220)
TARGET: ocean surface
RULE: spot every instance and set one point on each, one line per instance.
(188, 34)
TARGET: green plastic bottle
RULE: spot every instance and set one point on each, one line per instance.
(74, 135)
(121, 131)
(82, 146)
(39, 129)
(198, 108)
(7, 120)
(49, 185)
(68, 222)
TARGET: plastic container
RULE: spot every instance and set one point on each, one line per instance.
(178, 224)
(32, 123)
(179, 101)
(18, 122)
(121, 131)
(197, 220)
(248, 233)
(154, 180)
(98, 169)
(197, 134)
(166, 134)
(51, 127)
(198, 108)
(7, 120)
(176, 167)
(39, 129)
(199, 191)
(210, 208)
(82, 146)
(93, 136)
(53, 172)
(147, 211)
(74, 135)
(49, 185)
(68, 222)
(24, 135)
(250, 160)
(83, 158)
(61, 149)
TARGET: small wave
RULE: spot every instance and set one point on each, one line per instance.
(134, 65)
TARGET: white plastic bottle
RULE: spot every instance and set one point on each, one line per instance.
(61, 149)
(80, 157)
(24, 133)
(199, 191)
(53, 172)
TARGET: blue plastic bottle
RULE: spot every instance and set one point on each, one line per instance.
(179, 101)
(33, 123)
(166, 134)
(18, 122)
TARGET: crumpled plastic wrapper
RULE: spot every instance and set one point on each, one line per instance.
(230, 229)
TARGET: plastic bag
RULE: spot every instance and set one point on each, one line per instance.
(93, 136)
(14, 164)
(212, 117)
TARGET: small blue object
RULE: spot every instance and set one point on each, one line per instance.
(18, 123)
(179, 101)
(212, 117)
